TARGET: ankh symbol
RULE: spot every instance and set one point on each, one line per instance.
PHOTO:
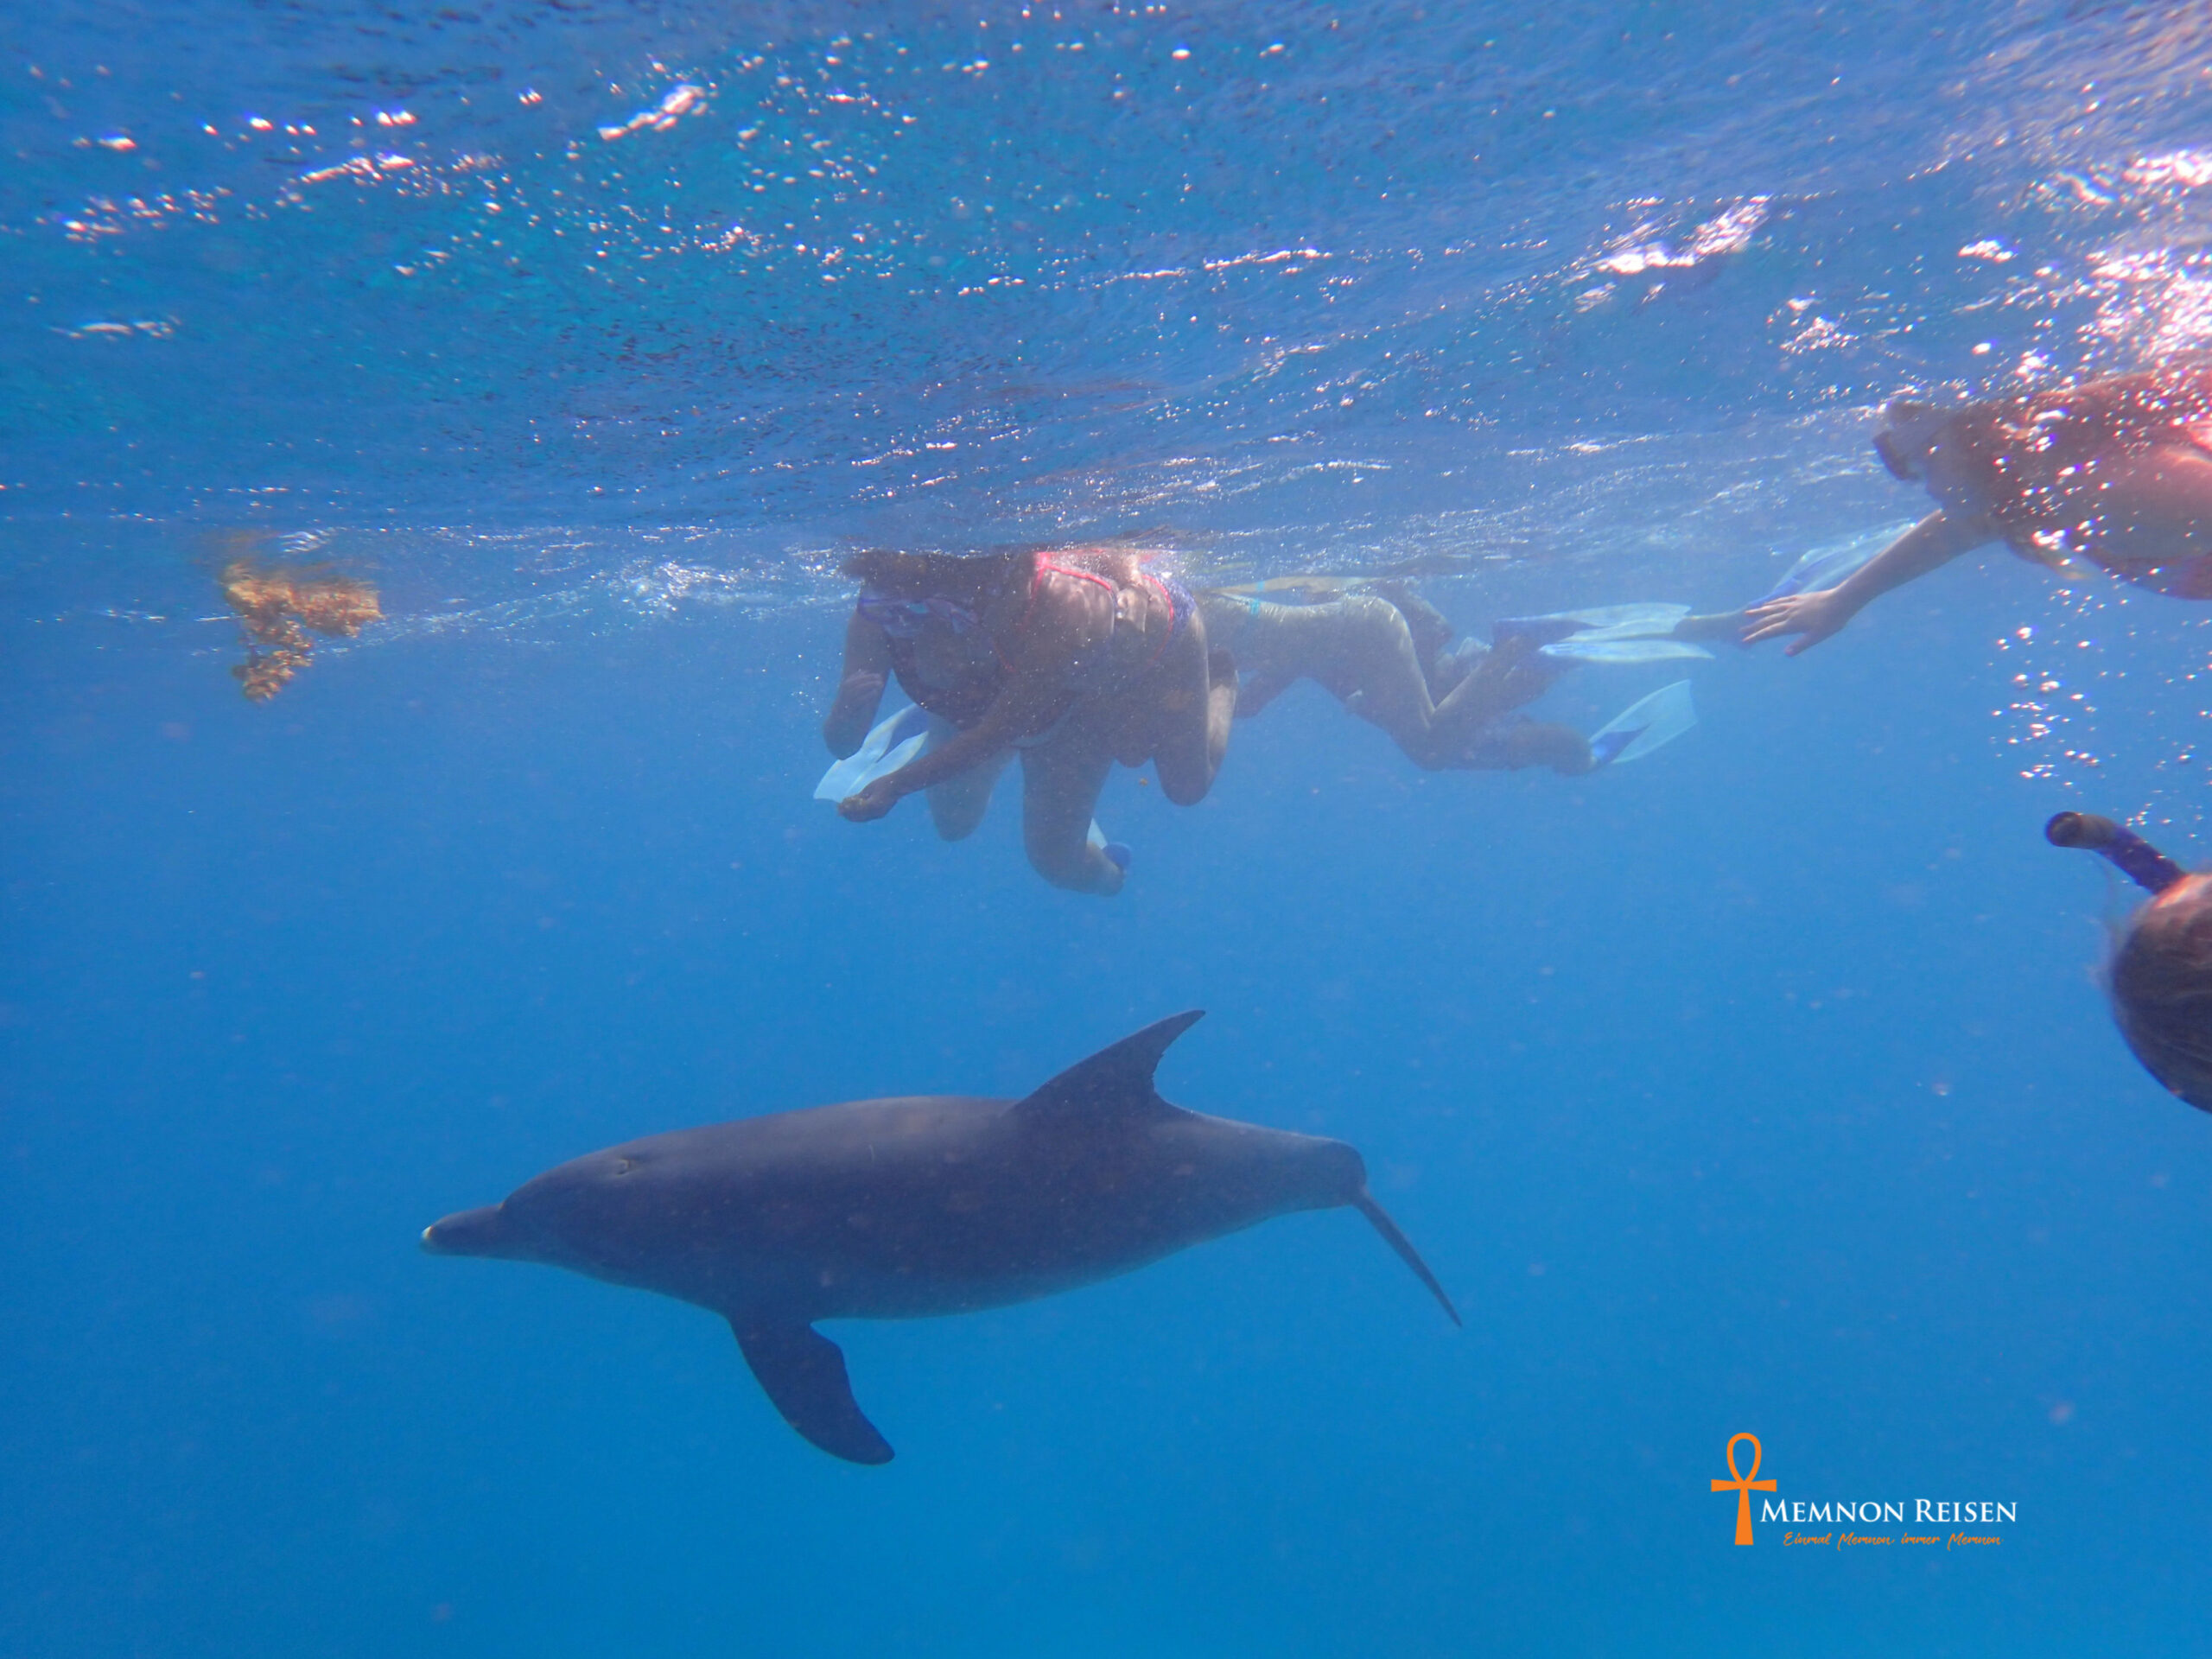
(1743, 1485)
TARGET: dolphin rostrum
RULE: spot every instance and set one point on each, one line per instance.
(911, 1206)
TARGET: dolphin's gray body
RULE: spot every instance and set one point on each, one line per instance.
(903, 1208)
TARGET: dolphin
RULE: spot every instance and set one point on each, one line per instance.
(912, 1206)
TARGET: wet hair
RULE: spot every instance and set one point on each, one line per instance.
(2162, 989)
(1908, 431)
(969, 577)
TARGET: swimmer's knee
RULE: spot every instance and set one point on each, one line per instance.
(1184, 790)
(956, 813)
(1088, 871)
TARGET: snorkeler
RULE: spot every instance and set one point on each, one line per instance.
(2161, 975)
(1076, 659)
(943, 662)
(1382, 652)
(2114, 471)
(1357, 644)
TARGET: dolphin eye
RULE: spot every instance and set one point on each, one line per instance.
(623, 1165)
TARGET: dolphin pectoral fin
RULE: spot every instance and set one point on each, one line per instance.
(802, 1373)
(1118, 1078)
(1379, 1219)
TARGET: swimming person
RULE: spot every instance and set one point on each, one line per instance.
(2115, 471)
(942, 658)
(1356, 643)
(1094, 655)
(1382, 652)
(2161, 974)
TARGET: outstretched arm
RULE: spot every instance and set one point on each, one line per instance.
(1008, 716)
(1936, 540)
(859, 687)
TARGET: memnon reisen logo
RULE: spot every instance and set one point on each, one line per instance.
(1923, 1512)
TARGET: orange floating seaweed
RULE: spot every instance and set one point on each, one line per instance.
(277, 606)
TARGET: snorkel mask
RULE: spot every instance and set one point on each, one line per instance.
(905, 619)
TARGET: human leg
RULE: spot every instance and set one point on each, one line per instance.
(1507, 676)
(1546, 743)
(957, 805)
(1429, 628)
(1187, 701)
(1358, 646)
(1061, 778)
(1370, 659)
(1260, 690)
(1516, 744)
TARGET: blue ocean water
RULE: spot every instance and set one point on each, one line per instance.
(1764, 1086)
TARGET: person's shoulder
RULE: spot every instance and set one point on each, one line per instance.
(1076, 571)
(1084, 561)
(2182, 385)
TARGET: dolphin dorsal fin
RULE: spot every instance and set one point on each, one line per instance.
(1116, 1079)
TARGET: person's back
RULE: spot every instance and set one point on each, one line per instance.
(1133, 608)
(2114, 471)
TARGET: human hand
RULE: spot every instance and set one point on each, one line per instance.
(869, 805)
(1813, 617)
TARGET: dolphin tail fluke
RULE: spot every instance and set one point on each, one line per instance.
(1380, 1220)
(802, 1373)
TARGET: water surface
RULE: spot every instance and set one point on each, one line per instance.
(1763, 1086)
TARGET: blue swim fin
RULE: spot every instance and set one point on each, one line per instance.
(1116, 850)
(1604, 633)
(1622, 651)
(1650, 723)
(1826, 565)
